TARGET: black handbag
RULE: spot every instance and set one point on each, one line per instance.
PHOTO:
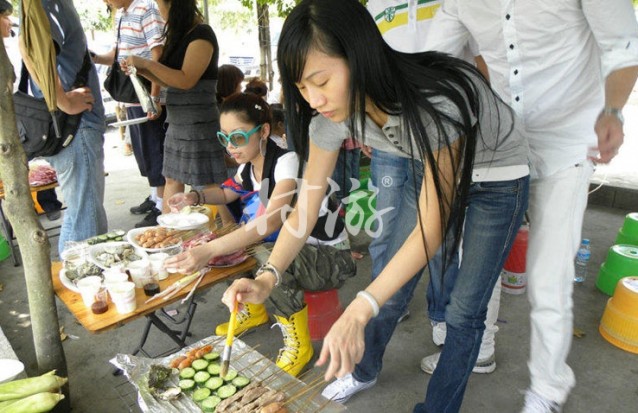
(117, 83)
(35, 123)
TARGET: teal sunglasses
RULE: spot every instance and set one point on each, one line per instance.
(237, 137)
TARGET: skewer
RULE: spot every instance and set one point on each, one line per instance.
(315, 383)
(199, 280)
(310, 398)
(324, 404)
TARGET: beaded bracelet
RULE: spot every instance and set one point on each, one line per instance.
(370, 299)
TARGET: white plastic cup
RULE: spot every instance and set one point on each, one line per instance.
(139, 270)
(88, 287)
(157, 265)
(114, 275)
(125, 307)
(123, 296)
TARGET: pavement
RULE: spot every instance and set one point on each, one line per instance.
(607, 377)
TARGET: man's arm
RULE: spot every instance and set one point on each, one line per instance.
(613, 24)
(609, 125)
(104, 58)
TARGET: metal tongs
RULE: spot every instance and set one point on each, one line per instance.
(142, 94)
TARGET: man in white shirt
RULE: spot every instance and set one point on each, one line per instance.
(566, 67)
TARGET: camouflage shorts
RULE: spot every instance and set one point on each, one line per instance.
(315, 268)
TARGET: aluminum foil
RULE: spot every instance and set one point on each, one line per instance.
(247, 361)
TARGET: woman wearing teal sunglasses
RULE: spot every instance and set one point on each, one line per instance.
(266, 180)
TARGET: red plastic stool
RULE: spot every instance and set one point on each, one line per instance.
(324, 309)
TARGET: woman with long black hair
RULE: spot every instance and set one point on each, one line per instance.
(469, 175)
(188, 68)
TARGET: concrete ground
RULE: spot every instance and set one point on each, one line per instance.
(607, 376)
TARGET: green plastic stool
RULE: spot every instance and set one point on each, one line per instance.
(628, 234)
(622, 261)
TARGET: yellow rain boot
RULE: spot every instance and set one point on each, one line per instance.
(251, 316)
(297, 350)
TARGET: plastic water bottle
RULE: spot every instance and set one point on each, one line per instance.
(582, 258)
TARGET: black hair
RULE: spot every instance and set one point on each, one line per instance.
(228, 78)
(278, 114)
(5, 7)
(248, 107)
(183, 15)
(396, 83)
(257, 87)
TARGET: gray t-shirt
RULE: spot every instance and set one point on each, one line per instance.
(496, 150)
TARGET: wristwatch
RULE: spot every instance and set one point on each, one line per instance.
(156, 99)
(614, 112)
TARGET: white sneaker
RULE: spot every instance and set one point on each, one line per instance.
(342, 389)
(428, 364)
(535, 403)
(439, 331)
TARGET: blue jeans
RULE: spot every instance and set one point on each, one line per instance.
(494, 213)
(439, 289)
(347, 167)
(80, 169)
(396, 182)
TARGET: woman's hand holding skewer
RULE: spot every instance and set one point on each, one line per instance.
(246, 290)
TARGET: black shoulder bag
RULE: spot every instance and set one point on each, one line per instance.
(117, 83)
(35, 123)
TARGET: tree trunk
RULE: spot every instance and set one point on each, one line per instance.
(33, 240)
(265, 64)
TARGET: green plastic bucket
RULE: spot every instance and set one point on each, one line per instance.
(623, 238)
(630, 226)
(622, 261)
(628, 233)
(5, 249)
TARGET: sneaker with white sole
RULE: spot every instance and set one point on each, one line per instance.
(439, 331)
(535, 403)
(342, 389)
(428, 364)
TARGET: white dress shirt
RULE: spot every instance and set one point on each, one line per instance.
(548, 59)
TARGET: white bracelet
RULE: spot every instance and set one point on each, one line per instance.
(370, 299)
(271, 268)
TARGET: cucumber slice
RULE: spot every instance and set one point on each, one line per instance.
(187, 373)
(110, 235)
(118, 239)
(187, 384)
(214, 383)
(213, 355)
(201, 377)
(102, 238)
(230, 375)
(199, 364)
(226, 391)
(214, 369)
(92, 241)
(119, 233)
(209, 404)
(201, 394)
(241, 382)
